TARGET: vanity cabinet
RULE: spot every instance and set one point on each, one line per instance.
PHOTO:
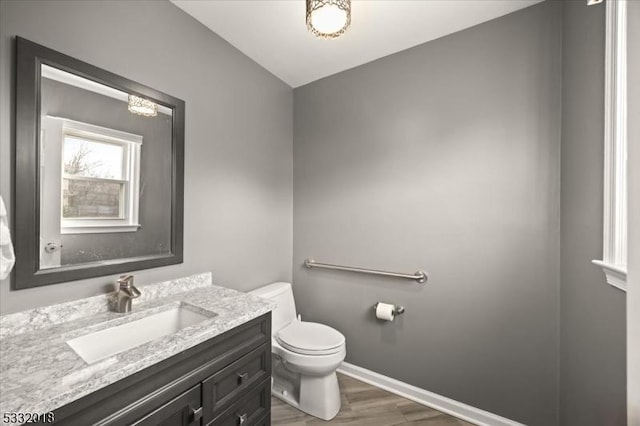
(223, 381)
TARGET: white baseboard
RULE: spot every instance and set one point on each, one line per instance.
(433, 400)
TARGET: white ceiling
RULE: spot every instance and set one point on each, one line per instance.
(274, 34)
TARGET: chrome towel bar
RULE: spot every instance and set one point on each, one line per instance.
(419, 276)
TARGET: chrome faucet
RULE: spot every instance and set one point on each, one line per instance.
(126, 293)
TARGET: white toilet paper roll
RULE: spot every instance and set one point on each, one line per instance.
(385, 311)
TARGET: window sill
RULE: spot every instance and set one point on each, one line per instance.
(616, 274)
(107, 229)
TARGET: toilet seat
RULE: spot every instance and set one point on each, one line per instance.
(310, 338)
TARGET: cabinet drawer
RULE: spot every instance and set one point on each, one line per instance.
(250, 410)
(224, 386)
(184, 410)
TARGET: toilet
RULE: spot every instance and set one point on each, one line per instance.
(305, 356)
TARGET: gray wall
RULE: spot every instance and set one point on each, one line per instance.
(154, 235)
(443, 157)
(592, 357)
(238, 156)
(633, 293)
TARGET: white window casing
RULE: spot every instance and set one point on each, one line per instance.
(131, 143)
(614, 256)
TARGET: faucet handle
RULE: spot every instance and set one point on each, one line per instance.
(125, 281)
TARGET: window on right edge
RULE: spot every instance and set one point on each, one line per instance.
(614, 252)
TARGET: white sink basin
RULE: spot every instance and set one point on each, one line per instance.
(110, 341)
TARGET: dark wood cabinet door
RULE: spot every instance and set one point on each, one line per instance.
(219, 390)
(183, 410)
(250, 409)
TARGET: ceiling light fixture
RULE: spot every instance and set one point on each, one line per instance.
(328, 18)
(140, 106)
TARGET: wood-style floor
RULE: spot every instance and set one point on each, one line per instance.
(366, 405)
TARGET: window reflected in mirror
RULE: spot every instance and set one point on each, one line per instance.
(104, 181)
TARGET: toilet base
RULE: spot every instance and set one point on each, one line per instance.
(318, 396)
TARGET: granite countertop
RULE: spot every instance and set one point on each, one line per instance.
(39, 371)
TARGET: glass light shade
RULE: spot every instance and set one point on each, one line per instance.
(328, 18)
(140, 106)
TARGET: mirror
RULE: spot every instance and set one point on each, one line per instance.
(99, 171)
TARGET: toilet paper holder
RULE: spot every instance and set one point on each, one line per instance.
(398, 309)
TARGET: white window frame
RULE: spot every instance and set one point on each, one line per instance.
(614, 256)
(132, 146)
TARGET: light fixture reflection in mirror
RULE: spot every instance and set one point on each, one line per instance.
(140, 106)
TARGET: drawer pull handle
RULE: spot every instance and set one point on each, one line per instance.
(242, 418)
(196, 414)
(242, 378)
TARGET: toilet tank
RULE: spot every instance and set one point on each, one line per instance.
(282, 294)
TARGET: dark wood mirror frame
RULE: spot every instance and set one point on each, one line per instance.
(27, 274)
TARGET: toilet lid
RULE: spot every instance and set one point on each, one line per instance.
(310, 338)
